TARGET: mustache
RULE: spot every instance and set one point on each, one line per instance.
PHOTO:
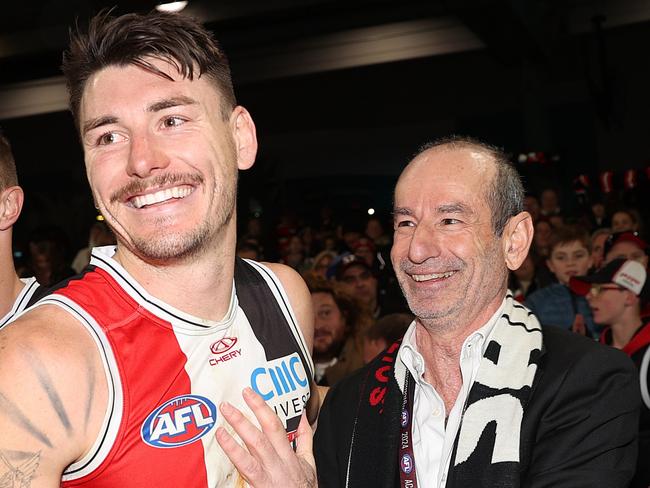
(430, 266)
(140, 186)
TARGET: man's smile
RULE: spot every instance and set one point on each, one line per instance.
(432, 276)
(160, 196)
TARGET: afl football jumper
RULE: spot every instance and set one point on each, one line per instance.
(168, 371)
(27, 296)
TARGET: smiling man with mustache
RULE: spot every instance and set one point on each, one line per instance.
(131, 374)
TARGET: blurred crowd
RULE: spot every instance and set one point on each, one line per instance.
(358, 306)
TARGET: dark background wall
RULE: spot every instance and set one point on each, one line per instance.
(340, 137)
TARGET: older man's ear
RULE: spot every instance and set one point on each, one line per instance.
(517, 238)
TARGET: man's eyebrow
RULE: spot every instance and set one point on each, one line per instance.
(98, 122)
(171, 102)
(456, 207)
(402, 211)
(154, 107)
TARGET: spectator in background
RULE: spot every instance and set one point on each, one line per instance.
(386, 331)
(248, 249)
(255, 236)
(338, 329)
(358, 279)
(555, 305)
(598, 239)
(321, 264)
(349, 233)
(99, 235)
(365, 249)
(614, 296)
(46, 260)
(330, 243)
(531, 205)
(375, 230)
(550, 203)
(541, 250)
(556, 221)
(625, 220)
(626, 245)
(294, 255)
(376, 290)
(598, 218)
(522, 281)
(542, 238)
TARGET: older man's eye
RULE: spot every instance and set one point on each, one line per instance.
(404, 223)
(450, 221)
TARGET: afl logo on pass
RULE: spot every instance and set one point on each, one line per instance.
(179, 421)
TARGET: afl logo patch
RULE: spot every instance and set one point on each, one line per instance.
(223, 345)
(407, 464)
(404, 419)
(179, 421)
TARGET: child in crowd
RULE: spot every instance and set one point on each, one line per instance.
(614, 295)
(555, 305)
(388, 329)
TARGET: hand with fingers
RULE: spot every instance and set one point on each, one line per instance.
(270, 461)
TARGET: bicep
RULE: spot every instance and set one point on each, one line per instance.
(43, 387)
(30, 443)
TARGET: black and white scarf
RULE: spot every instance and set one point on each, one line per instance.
(486, 449)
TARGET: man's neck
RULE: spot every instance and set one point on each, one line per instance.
(200, 285)
(624, 329)
(440, 345)
(10, 287)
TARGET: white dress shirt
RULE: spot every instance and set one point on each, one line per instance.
(432, 440)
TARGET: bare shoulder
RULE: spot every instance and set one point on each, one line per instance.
(299, 297)
(52, 393)
(288, 276)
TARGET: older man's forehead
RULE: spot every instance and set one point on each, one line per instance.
(449, 158)
(438, 165)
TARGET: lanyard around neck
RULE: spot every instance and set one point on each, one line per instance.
(406, 460)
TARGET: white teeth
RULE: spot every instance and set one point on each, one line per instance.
(161, 196)
(432, 276)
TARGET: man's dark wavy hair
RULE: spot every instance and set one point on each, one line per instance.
(8, 176)
(135, 39)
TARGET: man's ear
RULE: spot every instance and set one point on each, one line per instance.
(11, 203)
(517, 237)
(630, 299)
(245, 137)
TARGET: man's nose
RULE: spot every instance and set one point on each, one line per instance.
(145, 156)
(425, 243)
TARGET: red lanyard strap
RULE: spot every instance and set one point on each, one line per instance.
(406, 460)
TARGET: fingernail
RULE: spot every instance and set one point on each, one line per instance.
(226, 408)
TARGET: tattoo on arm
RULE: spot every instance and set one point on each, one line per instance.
(46, 383)
(18, 417)
(90, 369)
(18, 474)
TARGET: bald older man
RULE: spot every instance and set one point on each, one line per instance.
(477, 393)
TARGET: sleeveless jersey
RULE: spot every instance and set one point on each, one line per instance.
(168, 371)
(27, 296)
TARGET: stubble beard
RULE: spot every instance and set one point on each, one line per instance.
(181, 246)
(466, 301)
(164, 247)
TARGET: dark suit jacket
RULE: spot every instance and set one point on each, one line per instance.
(579, 428)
